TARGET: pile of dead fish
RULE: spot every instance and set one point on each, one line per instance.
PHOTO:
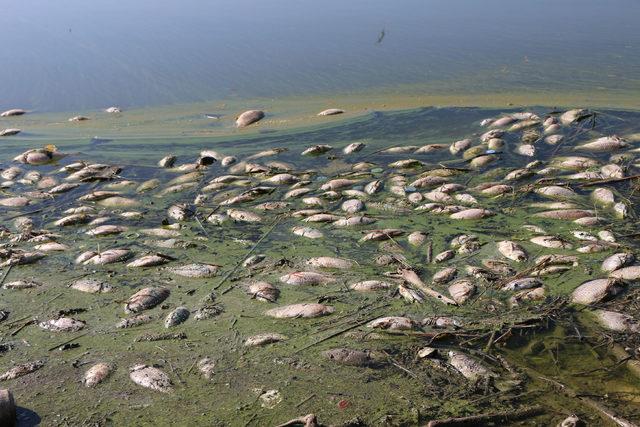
(567, 223)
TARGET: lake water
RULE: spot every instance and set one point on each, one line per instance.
(77, 56)
(412, 73)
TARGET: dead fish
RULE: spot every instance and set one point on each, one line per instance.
(78, 119)
(92, 286)
(615, 321)
(195, 270)
(149, 261)
(406, 164)
(468, 366)
(370, 285)
(299, 192)
(329, 262)
(63, 188)
(167, 161)
(621, 210)
(556, 191)
(207, 312)
(393, 323)
(557, 259)
(52, 247)
(565, 214)
(21, 370)
(137, 320)
(264, 339)
(522, 283)
(380, 235)
(353, 147)
(337, 184)
(21, 284)
(349, 357)
(617, 261)
(330, 112)
(253, 260)
(96, 374)
(631, 273)
(321, 217)
(525, 295)
(308, 232)
(118, 202)
(107, 257)
(303, 278)
(151, 377)
(228, 161)
(373, 187)
(551, 242)
(206, 366)
(317, 150)
(512, 250)
(243, 216)
(461, 290)
(459, 146)
(13, 112)
(249, 117)
(303, 310)
(471, 214)
(176, 317)
(14, 202)
(179, 212)
(352, 206)
(445, 275)
(575, 162)
(74, 219)
(10, 131)
(354, 221)
(410, 295)
(571, 116)
(263, 291)
(417, 238)
(605, 143)
(603, 196)
(145, 299)
(23, 258)
(282, 179)
(596, 290)
(160, 232)
(62, 324)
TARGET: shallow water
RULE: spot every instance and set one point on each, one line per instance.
(306, 381)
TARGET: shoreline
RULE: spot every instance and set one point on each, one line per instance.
(283, 114)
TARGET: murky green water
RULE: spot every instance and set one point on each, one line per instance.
(405, 391)
(387, 64)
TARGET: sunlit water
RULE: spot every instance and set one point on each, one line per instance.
(76, 56)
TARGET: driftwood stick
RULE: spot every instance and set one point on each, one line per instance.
(253, 248)
(497, 417)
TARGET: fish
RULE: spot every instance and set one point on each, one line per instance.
(249, 117)
(301, 310)
(151, 377)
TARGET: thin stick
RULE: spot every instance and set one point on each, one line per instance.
(335, 334)
(305, 400)
(67, 342)
(264, 236)
(6, 274)
(500, 417)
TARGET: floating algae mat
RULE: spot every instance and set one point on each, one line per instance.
(452, 266)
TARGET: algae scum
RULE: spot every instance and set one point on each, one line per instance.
(439, 260)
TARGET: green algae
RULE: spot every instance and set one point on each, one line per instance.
(306, 381)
